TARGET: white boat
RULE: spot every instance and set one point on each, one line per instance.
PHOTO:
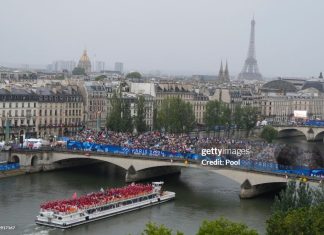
(77, 215)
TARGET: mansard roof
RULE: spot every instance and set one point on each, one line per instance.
(280, 85)
(313, 84)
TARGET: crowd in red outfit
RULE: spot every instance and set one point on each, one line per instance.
(97, 199)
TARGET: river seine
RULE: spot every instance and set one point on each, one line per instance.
(200, 195)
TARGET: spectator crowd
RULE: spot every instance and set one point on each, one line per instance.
(182, 143)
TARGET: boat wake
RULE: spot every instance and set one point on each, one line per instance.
(33, 229)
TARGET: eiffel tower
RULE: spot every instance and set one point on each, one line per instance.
(250, 69)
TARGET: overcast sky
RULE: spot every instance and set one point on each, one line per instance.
(189, 36)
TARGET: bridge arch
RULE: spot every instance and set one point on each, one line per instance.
(15, 159)
(34, 160)
(319, 135)
(291, 131)
(98, 159)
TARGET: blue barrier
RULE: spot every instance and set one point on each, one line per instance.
(317, 123)
(9, 166)
(87, 146)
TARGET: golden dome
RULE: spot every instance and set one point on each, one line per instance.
(85, 56)
(84, 62)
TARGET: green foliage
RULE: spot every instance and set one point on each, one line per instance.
(101, 78)
(126, 120)
(153, 229)
(134, 75)
(293, 197)
(176, 115)
(299, 221)
(305, 195)
(269, 133)
(297, 210)
(59, 77)
(140, 118)
(237, 117)
(217, 227)
(249, 117)
(245, 117)
(155, 120)
(78, 71)
(319, 194)
(120, 118)
(224, 227)
(217, 113)
(114, 117)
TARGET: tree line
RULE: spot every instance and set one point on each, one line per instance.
(120, 118)
(218, 114)
(175, 115)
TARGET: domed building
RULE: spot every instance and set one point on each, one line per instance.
(318, 85)
(85, 63)
(278, 87)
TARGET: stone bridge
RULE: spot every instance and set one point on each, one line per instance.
(253, 183)
(311, 133)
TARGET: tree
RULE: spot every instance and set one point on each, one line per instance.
(298, 221)
(297, 210)
(293, 197)
(134, 75)
(78, 71)
(249, 118)
(188, 117)
(224, 227)
(126, 117)
(154, 229)
(175, 115)
(114, 117)
(101, 78)
(319, 194)
(140, 123)
(237, 117)
(217, 113)
(269, 133)
(155, 119)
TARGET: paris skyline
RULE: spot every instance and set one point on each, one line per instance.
(177, 37)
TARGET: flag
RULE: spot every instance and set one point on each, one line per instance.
(74, 196)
